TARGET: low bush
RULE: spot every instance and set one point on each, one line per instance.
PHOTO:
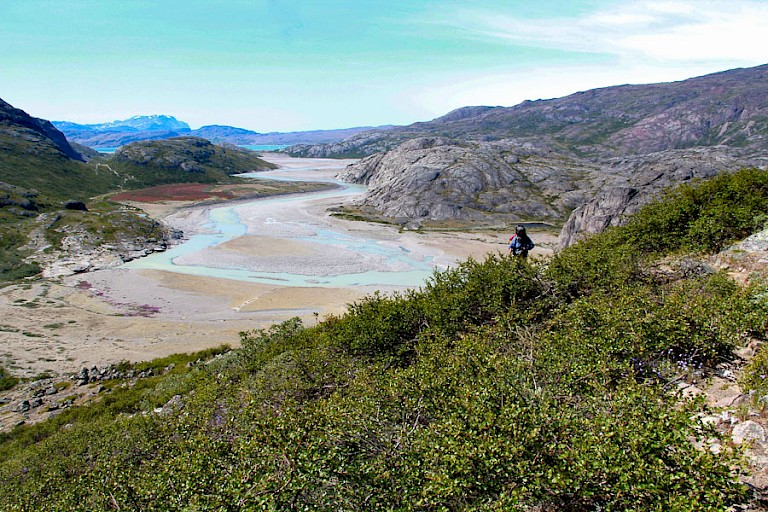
(7, 381)
(501, 385)
(703, 216)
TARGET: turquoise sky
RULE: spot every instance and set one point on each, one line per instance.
(276, 65)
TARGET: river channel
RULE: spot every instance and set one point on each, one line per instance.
(293, 240)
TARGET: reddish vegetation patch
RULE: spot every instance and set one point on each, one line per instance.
(174, 192)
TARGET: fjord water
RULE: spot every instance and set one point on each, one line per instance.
(264, 147)
(353, 259)
(252, 147)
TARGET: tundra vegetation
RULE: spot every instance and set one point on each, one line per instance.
(502, 384)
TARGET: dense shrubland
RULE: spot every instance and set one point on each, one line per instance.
(501, 385)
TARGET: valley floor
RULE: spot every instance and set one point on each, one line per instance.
(98, 318)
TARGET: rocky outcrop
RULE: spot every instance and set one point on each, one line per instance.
(190, 155)
(435, 179)
(605, 210)
(631, 182)
(361, 144)
(83, 249)
(438, 179)
(15, 123)
(13, 198)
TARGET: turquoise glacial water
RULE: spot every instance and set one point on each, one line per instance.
(264, 147)
(225, 225)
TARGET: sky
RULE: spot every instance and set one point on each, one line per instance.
(294, 65)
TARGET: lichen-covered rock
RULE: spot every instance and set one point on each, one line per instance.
(748, 431)
(438, 179)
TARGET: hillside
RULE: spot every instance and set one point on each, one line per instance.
(438, 182)
(182, 159)
(52, 221)
(22, 130)
(584, 161)
(726, 108)
(35, 155)
(443, 182)
(500, 385)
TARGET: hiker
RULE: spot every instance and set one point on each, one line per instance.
(520, 243)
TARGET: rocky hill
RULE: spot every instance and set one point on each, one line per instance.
(183, 159)
(17, 128)
(434, 181)
(726, 108)
(438, 180)
(600, 153)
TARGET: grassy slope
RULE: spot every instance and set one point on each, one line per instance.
(35, 165)
(499, 386)
(42, 167)
(182, 160)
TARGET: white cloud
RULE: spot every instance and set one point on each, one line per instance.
(666, 32)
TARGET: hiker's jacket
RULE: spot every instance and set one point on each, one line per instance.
(520, 245)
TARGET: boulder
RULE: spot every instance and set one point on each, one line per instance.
(607, 209)
(75, 205)
(748, 431)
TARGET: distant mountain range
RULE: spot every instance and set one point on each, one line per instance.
(134, 124)
(157, 127)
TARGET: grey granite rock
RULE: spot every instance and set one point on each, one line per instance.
(437, 179)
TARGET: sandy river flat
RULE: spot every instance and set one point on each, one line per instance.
(118, 314)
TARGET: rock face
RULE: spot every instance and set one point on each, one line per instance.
(356, 146)
(437, 179)
(82, 249)
(632, 182)
(16, 123)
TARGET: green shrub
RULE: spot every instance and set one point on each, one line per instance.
(7, 381)
(602, 263)
(703, 216)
